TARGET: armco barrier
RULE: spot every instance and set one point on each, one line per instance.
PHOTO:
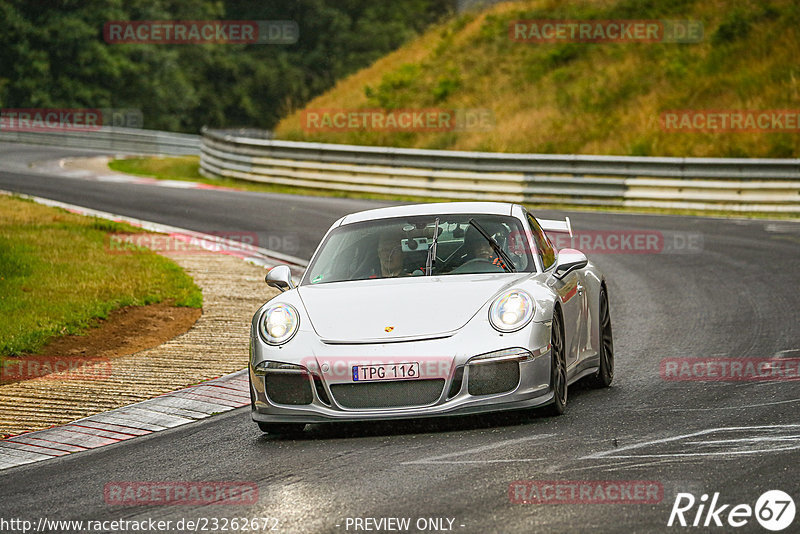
(133, 140)
(764, 185)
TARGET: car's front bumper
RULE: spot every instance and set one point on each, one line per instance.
(450, 354)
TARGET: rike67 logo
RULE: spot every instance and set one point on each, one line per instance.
(774, 510)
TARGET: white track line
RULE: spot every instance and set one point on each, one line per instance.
(440, 459)
(614, 453)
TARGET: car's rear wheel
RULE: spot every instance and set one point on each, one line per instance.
(558, 368)
(285, 429)
(605, 373)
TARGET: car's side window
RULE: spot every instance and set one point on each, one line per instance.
(546, 251)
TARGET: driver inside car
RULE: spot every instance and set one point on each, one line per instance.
(478, 247)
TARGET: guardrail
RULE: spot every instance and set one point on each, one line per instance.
(132, 140)
(763, 185)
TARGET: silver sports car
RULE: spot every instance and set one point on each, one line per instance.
(429, 310)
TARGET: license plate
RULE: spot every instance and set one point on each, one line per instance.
(389, 371)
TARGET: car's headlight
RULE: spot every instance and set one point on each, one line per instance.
(511, 311)
(279, 323)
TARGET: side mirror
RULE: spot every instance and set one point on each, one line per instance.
(280, 277)
(569, 260)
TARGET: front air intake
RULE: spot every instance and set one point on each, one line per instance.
(394, 394)
(289, 388)
(493, 378)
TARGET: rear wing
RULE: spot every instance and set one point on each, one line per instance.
(550, 225)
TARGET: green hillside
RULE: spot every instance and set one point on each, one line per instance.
(585, 98)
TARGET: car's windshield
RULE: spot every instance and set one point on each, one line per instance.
(399, 247)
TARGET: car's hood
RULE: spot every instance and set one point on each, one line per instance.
(376, 311)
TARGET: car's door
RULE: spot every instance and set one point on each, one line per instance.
(570, 290)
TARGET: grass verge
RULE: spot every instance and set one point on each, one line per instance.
(58, 274)
(187, 168)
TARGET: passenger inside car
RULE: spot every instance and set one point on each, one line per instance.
(390, 260)
(390, 254)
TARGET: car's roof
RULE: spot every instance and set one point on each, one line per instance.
(438, 208)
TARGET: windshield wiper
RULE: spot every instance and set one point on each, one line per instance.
(506, 264)
(431, 261)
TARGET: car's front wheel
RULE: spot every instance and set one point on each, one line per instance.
(605, 373)
(285, 429)
(558, 368)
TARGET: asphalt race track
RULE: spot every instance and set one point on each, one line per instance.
(735, 295)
